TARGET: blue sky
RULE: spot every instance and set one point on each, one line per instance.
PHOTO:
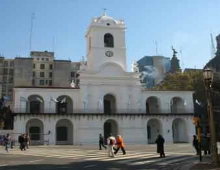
(184, 24)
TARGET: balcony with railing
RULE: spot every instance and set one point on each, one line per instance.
(65, 111)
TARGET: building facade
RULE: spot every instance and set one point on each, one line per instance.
(153, 69)
(108, 100)
(39, 70)
(6, 76)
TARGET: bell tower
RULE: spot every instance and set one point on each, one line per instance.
(105, 39)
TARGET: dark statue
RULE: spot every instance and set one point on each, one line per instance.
(174, 52)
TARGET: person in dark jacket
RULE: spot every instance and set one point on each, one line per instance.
(21, 140)
(101, 142)
(196, 144)
(206, 144)
(7, 141)
(160, 145)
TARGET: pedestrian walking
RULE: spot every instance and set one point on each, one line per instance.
(101, 142)
(206, 144)
(27, 140)
(7, 141)
(120, 145)
(111, 142)
(21, 140)
(196, 144)
(12, 141)
(160, 146)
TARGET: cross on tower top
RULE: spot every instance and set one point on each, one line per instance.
(104, 11)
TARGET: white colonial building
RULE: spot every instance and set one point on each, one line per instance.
(108, 100)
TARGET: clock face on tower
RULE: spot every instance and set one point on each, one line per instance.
(109, 53)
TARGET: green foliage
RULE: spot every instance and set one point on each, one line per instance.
(191, 80)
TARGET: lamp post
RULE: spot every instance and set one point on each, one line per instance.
(208, 77)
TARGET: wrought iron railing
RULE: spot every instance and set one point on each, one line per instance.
(114, 111)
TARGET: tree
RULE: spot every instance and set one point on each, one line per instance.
(192, 81)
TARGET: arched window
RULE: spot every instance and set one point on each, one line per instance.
(108, 40)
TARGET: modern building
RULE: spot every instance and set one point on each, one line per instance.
(39, 70)
(108, 100)
(153, 69)
(6, 76)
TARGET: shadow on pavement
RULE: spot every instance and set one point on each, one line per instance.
(73, 166)
(86, 165)
(206, 164)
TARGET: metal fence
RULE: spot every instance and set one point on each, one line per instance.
(113, 111)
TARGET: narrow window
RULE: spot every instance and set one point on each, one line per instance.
(12, 63)
(108, 40)
(50, 82)
(42, 66)
(11, 71)
(33, 82)
(6, 63)
(5, 71)
(73, 73)
(41, 82)
(41, 74)
(50, 74)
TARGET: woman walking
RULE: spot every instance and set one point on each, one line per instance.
(160, 146)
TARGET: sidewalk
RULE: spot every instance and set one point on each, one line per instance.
(204, 165)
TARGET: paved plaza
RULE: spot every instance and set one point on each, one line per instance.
(89, 157)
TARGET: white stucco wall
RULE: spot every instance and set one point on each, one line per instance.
(87, 128)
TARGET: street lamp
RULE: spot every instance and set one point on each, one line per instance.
(208, 77)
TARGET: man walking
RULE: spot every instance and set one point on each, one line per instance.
(120, 145)
(101, 142)
(111, 142)
(7, 140)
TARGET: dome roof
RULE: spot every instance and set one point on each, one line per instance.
(106, 19)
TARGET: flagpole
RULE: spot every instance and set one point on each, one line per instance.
(20, 105)
(50, 105)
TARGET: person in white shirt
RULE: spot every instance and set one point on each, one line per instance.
(111, 142)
